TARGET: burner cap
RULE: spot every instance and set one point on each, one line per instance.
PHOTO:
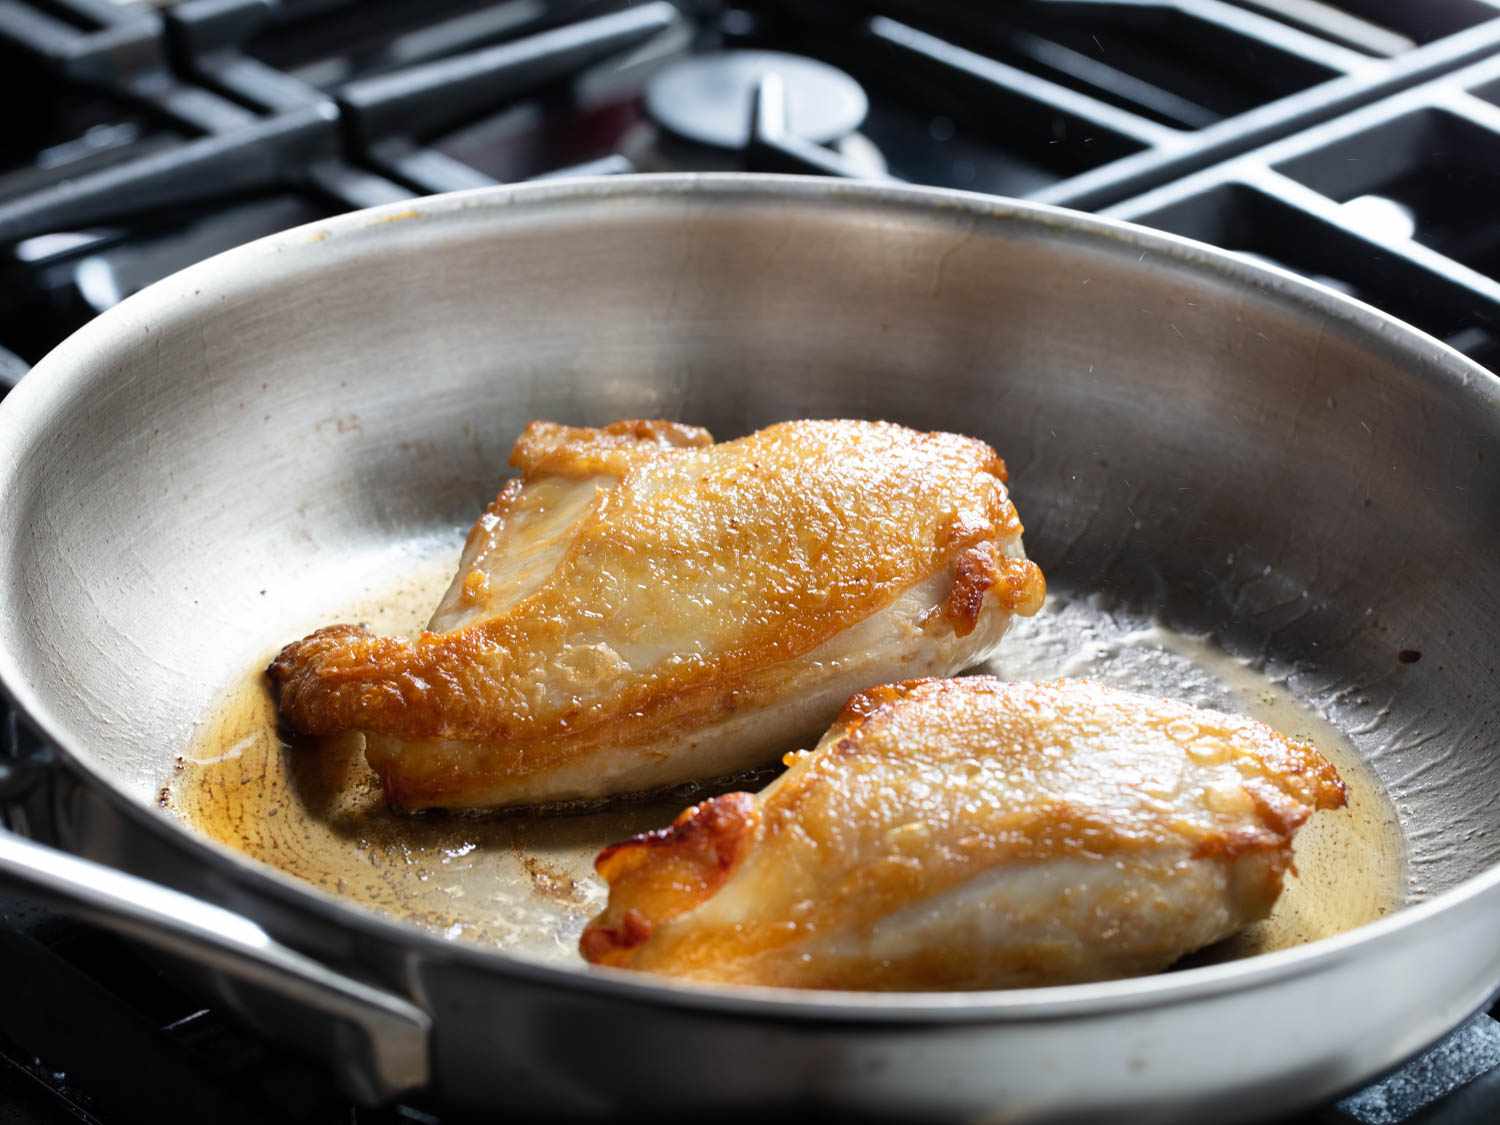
(707, 99)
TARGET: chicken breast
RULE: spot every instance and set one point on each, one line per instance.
(972, 833)
(643, 607)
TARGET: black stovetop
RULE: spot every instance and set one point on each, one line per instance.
(1353, 141)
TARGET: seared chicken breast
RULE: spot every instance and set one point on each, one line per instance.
(643, 607)
(972, 833)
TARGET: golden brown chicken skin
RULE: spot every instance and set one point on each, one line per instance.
(644, 607)
(972, 833)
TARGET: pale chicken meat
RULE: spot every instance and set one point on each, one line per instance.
(643, 607)
(972, 833)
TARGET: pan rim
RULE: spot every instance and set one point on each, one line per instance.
(27, 406)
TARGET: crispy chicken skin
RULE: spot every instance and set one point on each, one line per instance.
(644, 607)
(972, 833)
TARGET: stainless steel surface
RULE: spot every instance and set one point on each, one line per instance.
(1220, 445)
(387, 1034)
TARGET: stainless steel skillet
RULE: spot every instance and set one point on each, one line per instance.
(1208, 441)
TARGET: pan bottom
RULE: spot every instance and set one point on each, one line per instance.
(526, 883)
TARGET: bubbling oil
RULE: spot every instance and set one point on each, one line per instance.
(526, 883)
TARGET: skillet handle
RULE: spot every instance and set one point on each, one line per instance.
(380, 1040)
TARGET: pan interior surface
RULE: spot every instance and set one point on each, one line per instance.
(299, 431)
(524, 883)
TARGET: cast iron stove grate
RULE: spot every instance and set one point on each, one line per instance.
(1390, 203)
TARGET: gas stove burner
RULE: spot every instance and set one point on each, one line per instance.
(703, 112)
(707, 99)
